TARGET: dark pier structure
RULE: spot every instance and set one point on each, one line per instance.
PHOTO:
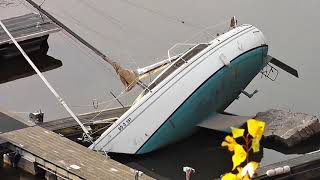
(32, 32)
(40, 151)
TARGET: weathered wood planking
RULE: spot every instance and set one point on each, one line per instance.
(63, 153)
(26, 27)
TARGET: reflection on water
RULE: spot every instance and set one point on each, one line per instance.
(14, 174)
(204, 146)
(202, 151)
(16, 67)
(307, 146)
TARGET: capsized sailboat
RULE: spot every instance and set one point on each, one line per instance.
(194, 88)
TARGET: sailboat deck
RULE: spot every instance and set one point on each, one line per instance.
(75, 161)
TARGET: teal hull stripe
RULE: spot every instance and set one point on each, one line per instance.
(231, 37)
(214, 95)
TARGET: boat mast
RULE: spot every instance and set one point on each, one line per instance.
(98, 52)
(45, 81)
(129, 78)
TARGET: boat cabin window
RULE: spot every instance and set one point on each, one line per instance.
(181, 60)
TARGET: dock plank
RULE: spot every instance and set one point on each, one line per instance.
(63, 153)
(27, 27)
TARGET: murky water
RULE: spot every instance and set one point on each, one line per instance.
(139, 34)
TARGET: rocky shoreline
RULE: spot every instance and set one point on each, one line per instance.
(288, 128)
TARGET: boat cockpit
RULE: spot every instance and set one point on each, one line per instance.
(178, 62)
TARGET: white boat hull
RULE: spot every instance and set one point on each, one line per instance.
(206, 84)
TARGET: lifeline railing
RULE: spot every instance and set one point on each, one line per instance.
(204, 36)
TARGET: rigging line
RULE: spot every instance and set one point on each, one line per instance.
(90, 56)
(82, 49)
(102, 13)
(206, 30)
(33, 9)
(86, 43)
(126, 53)
(95, 31)
(58, 97)
(40, 7)
(42, 3)
(96, 10)
(77, 44)
(99, 103)
(28, 6)
(69, 16)
(159, 13)
(87, 53)
(123, 93)
(103, 102)
(105, 127)
(74, 42)
(91, 105)
(108, 105)
(120, 24)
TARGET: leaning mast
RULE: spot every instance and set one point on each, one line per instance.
(54, 92)
(86, 43)
(129, 78)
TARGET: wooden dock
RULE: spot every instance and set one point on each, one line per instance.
(63, 157)
(27, 27)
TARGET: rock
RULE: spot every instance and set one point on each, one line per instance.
(288, 128)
